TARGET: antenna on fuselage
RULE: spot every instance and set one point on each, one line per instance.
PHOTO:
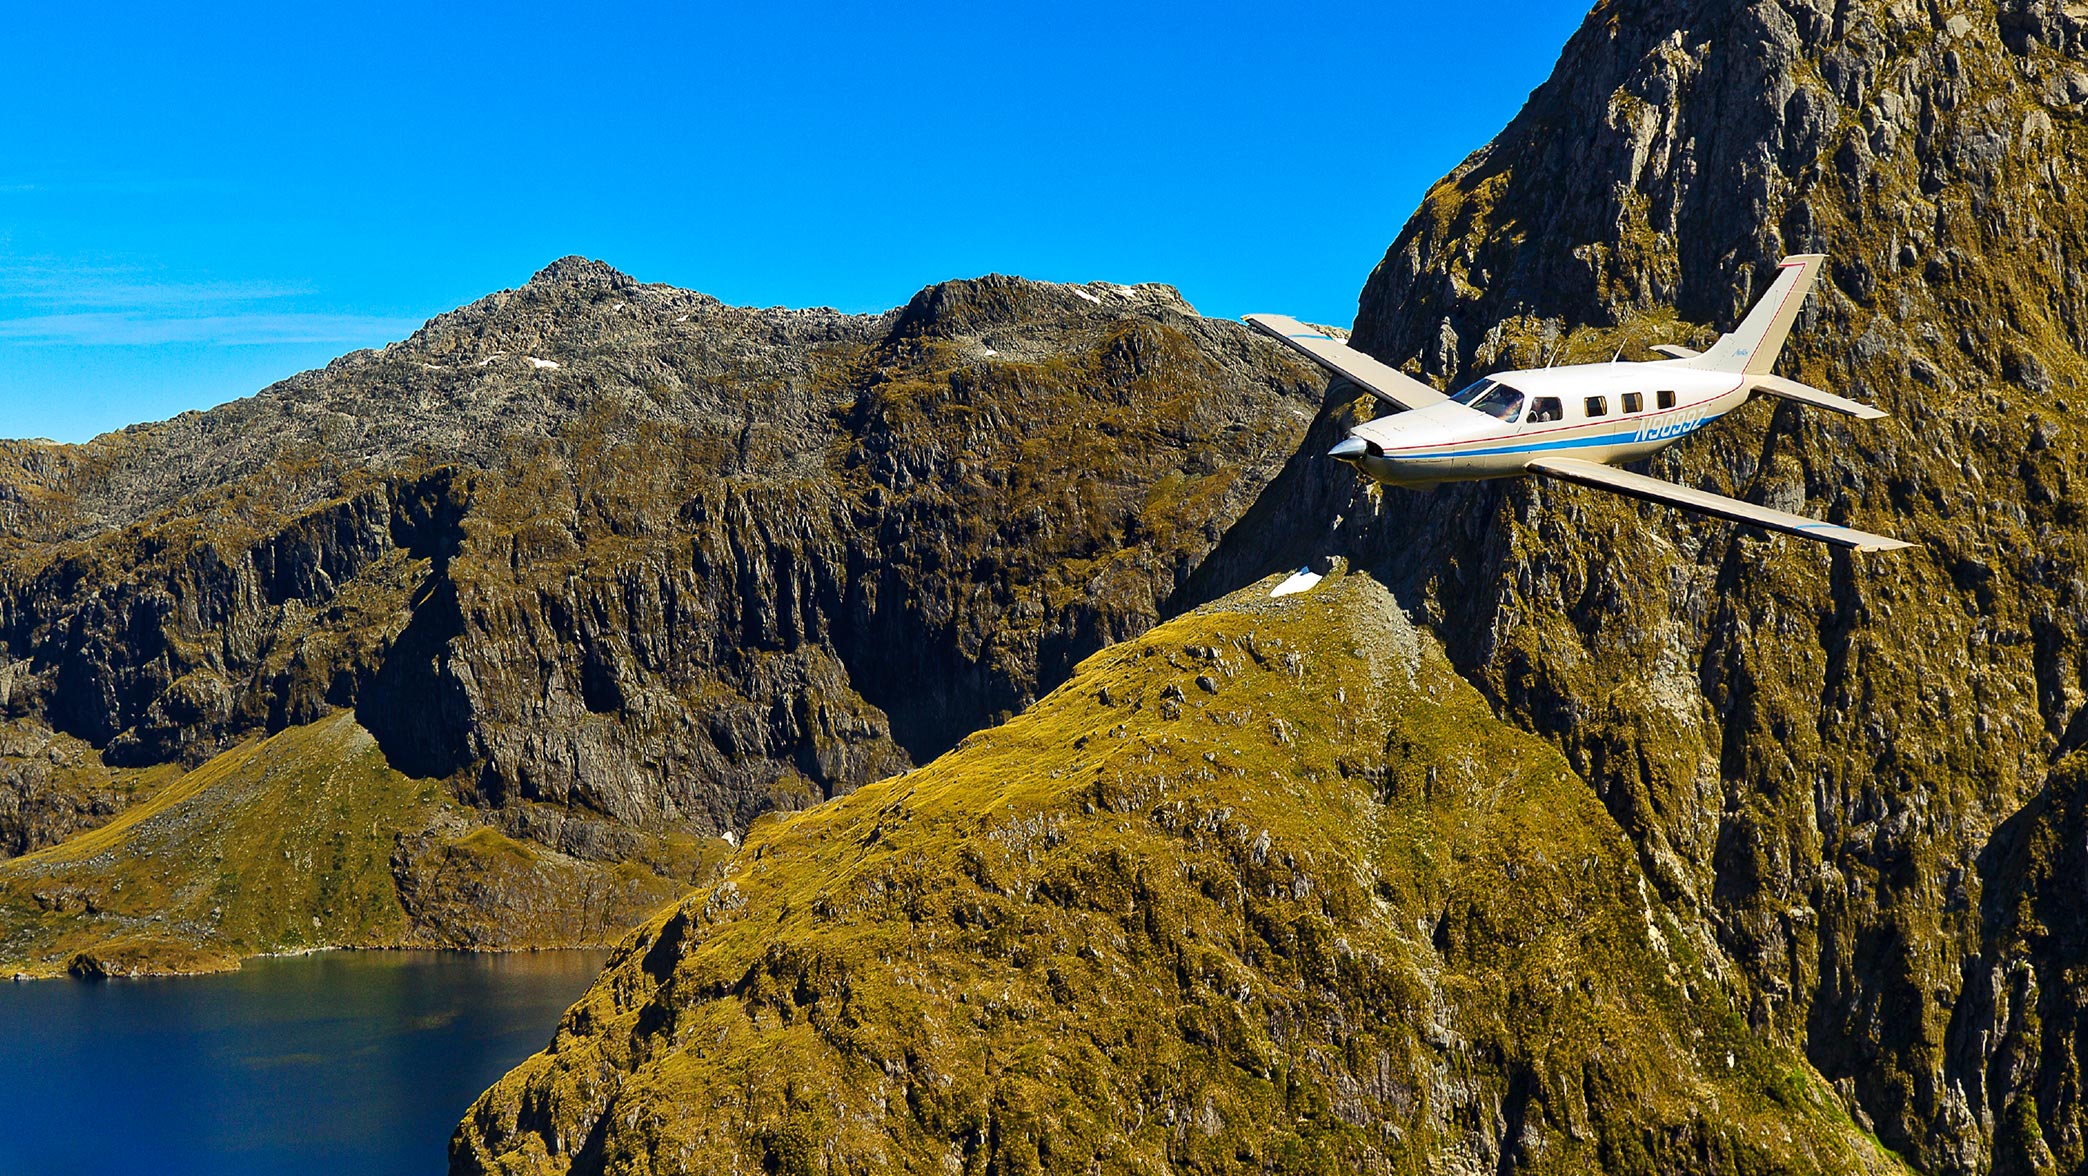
(1619, 355)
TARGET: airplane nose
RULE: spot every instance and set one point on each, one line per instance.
(1350, 449)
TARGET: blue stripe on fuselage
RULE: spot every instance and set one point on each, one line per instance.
(1538, 446)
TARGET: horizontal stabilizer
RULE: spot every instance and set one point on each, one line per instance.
(1676, 350)
(1602, 477)
(1386, 383)
(1803, 394)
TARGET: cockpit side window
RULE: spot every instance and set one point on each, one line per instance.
(1500, 402)
(1545, 408)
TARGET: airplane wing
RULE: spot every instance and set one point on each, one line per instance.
(1386, 383)
(1603, 477)
(1805, 394)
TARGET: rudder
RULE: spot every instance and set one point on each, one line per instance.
(1752, 347)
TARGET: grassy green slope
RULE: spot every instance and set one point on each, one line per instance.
(1266, 889)
(303, 840)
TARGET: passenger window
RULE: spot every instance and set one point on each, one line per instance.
(1634, 401)
(1545, 408)
(1598, 406)
(1664, 399)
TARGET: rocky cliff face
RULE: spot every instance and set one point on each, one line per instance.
(52, 786)
(613, 556)
(1837, 766)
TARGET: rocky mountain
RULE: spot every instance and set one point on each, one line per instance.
(1611, 839)
(1266, 889)
(620, 565)
(1850, 773)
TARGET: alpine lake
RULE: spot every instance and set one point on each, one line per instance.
(335, 1062)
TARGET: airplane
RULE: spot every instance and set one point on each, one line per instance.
(1578, 423)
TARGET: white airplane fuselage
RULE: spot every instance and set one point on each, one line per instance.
(1643, 408)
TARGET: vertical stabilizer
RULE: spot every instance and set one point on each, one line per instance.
(1753, 346)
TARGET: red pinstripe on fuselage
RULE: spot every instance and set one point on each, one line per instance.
(1449, 442)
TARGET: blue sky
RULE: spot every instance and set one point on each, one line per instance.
(196, 203)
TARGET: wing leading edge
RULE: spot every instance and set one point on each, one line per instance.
(1588, 473)
(1386, 383)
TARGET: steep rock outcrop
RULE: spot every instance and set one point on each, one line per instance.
(1813, 753)
(52, 786)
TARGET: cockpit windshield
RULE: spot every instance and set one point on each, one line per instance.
(1501, 402)
(1493, 398)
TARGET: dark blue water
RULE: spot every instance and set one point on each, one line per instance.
(344, 1062)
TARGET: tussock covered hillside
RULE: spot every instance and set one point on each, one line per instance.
(1265, 889)
(308, 839)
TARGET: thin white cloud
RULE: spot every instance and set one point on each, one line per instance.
(118, 329)
(45, 301)
(50, 285)
(125, 187)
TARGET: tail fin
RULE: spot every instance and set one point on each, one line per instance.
(1752, 347)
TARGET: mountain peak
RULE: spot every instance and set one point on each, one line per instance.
(575, 270)
(970, 305)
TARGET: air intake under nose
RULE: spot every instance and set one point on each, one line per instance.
(1353, 448)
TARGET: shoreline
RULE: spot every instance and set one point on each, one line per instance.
(95, 974)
